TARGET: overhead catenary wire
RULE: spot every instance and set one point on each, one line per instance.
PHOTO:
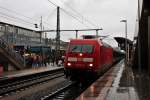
(80, 15)
(16, 18)
(73, 17)
(79, 19)
(15, 12)
(8, 17)
(71, 30)
(67, 12)
(53, 3)
(50, 14)
(9, 10)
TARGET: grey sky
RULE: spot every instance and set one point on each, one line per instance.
(103, 13)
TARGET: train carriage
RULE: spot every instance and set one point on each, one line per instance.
(87, 57)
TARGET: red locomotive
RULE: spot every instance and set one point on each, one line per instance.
(87, 57)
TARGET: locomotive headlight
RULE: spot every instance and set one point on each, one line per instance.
(69, 64)
(91, 65)
(80, 54)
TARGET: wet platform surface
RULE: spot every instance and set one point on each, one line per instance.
(142, 85)
(119, 83)
(28, 71)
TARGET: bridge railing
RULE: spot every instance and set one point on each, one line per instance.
(10, 52)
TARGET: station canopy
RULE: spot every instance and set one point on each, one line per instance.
(121, 42)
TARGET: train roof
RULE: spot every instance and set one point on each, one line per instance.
(106, 44)
(118, 51)
(85, 41)
(90, 41)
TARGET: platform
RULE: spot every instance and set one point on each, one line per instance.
(29, 71)
(115, 84)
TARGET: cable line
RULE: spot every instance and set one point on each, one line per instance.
(15, 12)
(68, 13)
(73, 17)
(15, 18)
(82, 17)
(53, 3)
(45, 22)
(51, 14)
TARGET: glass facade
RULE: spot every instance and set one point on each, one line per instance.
(20, 36)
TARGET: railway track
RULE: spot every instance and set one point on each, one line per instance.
(59, 92)
(69, 91)
(63, 89)
(29, 82)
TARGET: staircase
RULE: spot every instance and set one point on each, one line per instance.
(8, 55)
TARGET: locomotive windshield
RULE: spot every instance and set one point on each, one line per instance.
(81, 48)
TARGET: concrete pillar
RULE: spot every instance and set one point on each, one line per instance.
(149, 44)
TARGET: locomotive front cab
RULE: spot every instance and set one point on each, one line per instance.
(82, 58)
(82, 54)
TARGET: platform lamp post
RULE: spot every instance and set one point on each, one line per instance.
(6, 33)
(126, 48)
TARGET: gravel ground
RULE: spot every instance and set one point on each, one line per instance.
(35, 92)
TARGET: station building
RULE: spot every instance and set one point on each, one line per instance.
(21, 37)
(22, 40)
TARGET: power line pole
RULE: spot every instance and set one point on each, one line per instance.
(57, 48)
(76, 34)
(58, 31)
(97, 33)
(41, 26)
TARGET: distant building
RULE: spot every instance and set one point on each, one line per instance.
(52, 43)
(19, 36)
(22, 37)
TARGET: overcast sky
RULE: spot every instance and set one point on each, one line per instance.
(104, 14)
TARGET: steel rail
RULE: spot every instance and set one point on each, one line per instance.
(29, 82)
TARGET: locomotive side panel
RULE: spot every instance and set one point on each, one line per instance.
(107, 55)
